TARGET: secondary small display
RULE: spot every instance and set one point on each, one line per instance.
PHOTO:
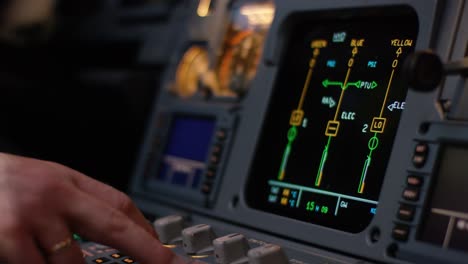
(446, 223)
(335, 110)
(188, 145)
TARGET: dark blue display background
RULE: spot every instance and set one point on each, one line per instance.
(190, 137)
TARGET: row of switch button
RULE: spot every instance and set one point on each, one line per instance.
(94, 253)
(106, 260)
(200, 240)
(215, 158)
(411, 193)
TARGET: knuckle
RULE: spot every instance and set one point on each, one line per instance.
(47, 194)
(116, 222)
(36, 198)
(124, 203)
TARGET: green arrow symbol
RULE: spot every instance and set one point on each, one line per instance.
(373, 85)
(325, 83)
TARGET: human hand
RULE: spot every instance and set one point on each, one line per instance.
(44, 203)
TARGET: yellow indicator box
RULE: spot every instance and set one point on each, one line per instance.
(296, 118)
(378, 124)
(332, 128)
(286, 192)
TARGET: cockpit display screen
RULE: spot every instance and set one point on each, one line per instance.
(333, 116)
(188, 144)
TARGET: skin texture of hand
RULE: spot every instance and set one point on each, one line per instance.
(43, 203)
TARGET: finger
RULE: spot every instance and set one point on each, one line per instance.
(112, 197)
(57, 243)
(99, 222)
(13, 250)
(15, 238)
(72, 255)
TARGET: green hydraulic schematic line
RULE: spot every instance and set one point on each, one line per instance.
(298, 114)
(374, 141)
(372, 145)
(292, 135)
(356, 84)
(318, 179)
(344, 85)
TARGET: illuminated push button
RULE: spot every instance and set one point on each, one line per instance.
(101, 260)
(400, 232)
(197, 240)
(207, 187)
(415, 181)
(214, 159)
(211, 172)
(419, 161)
(267, 254)
(420, 155)
(231, 249)
(411, 194)
(421, 149)
(169, 229)
(406, 212)
(217, 149)
(221, 134)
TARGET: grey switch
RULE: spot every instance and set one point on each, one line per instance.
(231, 249)
(267, 254)
(169, 229)
(197, 240)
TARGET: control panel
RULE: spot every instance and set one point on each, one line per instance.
(95, 253)
(305, 131)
